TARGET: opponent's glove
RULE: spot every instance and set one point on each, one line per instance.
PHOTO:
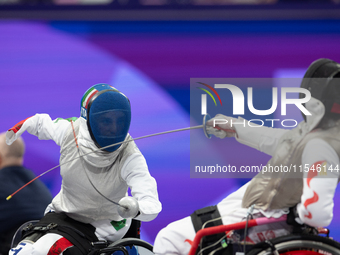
(128, 208)
(221, 126)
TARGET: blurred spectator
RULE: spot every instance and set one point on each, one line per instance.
(32, 201)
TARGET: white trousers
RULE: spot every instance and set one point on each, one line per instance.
(47, 244)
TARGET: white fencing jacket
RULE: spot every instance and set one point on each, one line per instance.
(111, 173)
(317, 187)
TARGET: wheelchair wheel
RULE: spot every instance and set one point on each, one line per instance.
(132, 245)
(297, 245)
(18, 233)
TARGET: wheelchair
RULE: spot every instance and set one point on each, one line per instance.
(305, 243)
(125, 246)
(293, 244)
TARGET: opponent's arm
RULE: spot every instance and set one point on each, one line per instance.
(262, 138)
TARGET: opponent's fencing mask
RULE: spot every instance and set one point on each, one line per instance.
(322, 80)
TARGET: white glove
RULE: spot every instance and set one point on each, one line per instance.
(128, 208)
(221, 126)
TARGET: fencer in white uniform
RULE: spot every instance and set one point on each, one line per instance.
(94, 175)
(313, 147)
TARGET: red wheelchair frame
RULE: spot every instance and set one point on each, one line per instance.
(262, 221)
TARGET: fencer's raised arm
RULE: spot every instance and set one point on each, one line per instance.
(262, 138)
(40, 125)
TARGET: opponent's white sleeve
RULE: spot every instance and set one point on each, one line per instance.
(40, 125)
(143, 186)
(264, 139)
(321, 172)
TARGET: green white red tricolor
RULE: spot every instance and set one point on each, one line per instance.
(87, 97)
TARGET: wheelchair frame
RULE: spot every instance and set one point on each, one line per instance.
(121, 244)
(288, 245)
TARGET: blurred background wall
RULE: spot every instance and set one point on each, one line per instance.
(52, 51)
